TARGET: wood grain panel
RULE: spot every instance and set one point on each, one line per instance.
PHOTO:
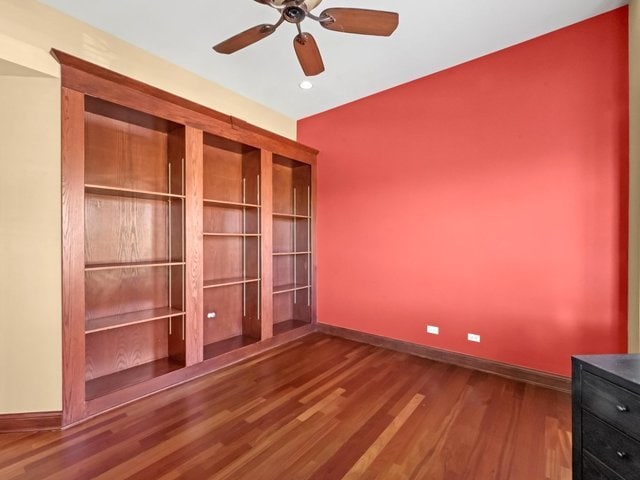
(114, 350)
(266, 257)
(123, 230)
(288, 325)
(222, 257)
(226, 303)
(219, 219)
(176, 158)
(251, 169)
(283, 307)
(73, 311)
(252, 256)
(302, 266)
(283, 270)
(302, 232)
(227, 345)
(118, 291)
(283, 234)
(251, 326)
(175, 232)
(194, 246)
(122, 154)
(282, 188)
(302, 305)
(138, 374)
(222, 170)
(301, 182)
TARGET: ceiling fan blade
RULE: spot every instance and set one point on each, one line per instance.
(359, 20)
(244, 39)
(308, 54)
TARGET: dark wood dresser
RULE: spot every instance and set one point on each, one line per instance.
(606, 417)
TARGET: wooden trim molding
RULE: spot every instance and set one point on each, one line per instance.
(73, 312)
(513, 372)
(30, 422)
(201, 116)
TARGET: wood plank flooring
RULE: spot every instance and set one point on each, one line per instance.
(319, 408)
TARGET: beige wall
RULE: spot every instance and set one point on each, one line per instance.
(30, 336)
(42, 27)
(30, 296)
(634, 176)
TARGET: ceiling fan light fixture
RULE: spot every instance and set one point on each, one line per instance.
(306, 85)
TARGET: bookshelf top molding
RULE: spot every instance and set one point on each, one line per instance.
(94, 80)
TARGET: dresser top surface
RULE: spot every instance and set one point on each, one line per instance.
(625, 366)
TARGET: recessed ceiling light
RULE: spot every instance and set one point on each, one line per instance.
(306, 85)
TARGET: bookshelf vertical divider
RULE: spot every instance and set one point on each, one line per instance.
(266, 257)
(193, 243)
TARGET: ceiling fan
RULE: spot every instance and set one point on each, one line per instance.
(347, 20)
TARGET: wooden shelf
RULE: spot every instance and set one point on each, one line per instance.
(101, 386)
(128, 192)
(113, 266)
(225, 282)
(290, 215)
(132, 318)
(287, 326)
(288, 288)
(278, 254)
(223, 203)
(228, 345)
(209, 234)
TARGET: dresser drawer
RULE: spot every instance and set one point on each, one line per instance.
(616, 405)
(616, 450)
(594, 469)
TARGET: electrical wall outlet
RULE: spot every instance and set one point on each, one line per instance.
(473, 337)
(211, 315)
(433, 330)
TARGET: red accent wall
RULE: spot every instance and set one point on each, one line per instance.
(489, 198)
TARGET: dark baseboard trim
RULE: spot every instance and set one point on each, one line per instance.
(527, 375)
(30, 422)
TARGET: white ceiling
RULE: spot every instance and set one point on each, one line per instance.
(433, 35)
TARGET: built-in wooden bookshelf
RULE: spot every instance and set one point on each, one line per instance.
(187, 239)
(231, 224)
(292, 245)
(133, 246)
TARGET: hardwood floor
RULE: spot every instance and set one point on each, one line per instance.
(318, 408)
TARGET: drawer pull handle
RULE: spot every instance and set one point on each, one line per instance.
(622, 408)
(621, 454)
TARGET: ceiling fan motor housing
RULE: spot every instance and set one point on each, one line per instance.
(294, 14)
